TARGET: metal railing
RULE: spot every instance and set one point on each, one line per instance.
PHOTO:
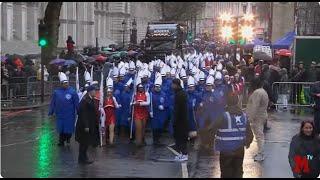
(29, 89)
(292, 94)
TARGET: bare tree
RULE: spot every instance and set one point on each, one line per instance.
(51, 19)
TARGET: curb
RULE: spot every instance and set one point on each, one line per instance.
(25, 107)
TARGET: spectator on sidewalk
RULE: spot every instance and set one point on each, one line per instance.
(257, 115)
(304, 145)
(315, 93)
(4, 81)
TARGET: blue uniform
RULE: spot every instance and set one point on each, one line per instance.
(64, 105)
(159, 115)
(125, 100)
(193, 103)
(207, 110)
(232, 134)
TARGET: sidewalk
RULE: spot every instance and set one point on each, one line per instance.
(21, 104)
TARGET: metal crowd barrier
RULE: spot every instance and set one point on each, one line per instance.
(292, 94)
(28, 89)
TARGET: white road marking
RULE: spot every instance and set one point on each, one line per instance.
(23, 142)
(184, 170)
(173, 151)
(183, 164)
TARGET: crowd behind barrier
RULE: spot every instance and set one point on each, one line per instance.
(292, 94)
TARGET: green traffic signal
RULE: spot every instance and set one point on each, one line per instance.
(43, 42)
(242, 41)
(232, 41)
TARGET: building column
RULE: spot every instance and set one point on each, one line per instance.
(91, 27)
(7, 21)
(79, 24)
(103, 25)
(20, 20)
(32, 19)
(85, 26)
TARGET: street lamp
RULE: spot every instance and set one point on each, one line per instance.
(134, 32)
(123, 30)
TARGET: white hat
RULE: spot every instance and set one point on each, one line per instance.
(158, 81)
(138, 80)
(121, 64)
(212, 72)
(183, 73)
(201, 75)
(168, 69)
(145, 66)
(122, 71)
(210, 80)
(173, 71)
(109, 82)
(63, 78)
(115, 72)
(129, 82)
(132, 66)
(87, 76)
(191, 81)
(126, 65)
(203, 64)
(194, 70)
(151, 64)
(218, 75)
(139, 64)
(146, 73)
(94, 82)
(163, 71)
(219, 67)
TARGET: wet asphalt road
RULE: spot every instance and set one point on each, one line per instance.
(28, 149)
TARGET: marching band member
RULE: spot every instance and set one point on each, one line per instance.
(141, 113)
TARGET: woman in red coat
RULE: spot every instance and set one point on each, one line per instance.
(141, 113)
(110, 104)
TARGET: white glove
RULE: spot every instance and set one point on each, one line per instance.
(194, 103)
(161, 107)
(201, 104)
(129, 119)
(151, 114)
(119, 106)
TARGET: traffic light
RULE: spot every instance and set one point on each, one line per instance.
(43, 35)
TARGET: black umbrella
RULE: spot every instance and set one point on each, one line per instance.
(259, 55)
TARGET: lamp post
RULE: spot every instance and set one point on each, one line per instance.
(134, 32)
(123, 30)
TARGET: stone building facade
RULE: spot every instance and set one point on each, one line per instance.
(84, 21)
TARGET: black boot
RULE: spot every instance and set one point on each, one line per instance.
(61, 140)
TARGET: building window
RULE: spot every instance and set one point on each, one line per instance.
(244, 9)
(254, 9)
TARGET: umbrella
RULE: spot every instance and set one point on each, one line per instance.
(4, 58)
(284, 52)
(100, 58)
(259, 55)
(70, 62)
(57, 61)
(132, 53)
(91, 59)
